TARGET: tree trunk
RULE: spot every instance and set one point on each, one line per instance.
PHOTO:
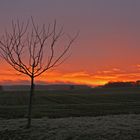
(30, 103)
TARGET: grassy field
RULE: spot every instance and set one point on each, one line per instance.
(73, 103)
(112, 127)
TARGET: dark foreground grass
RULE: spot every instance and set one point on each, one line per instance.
(54, 104)
(112, 127)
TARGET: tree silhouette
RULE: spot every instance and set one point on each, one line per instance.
(1, 88)
(32, 50)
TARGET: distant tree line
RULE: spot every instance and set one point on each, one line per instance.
(122, 84)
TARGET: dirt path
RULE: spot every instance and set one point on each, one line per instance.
(116, 127)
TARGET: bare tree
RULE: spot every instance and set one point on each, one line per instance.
(32, 50)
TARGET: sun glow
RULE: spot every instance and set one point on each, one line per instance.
(9, 76)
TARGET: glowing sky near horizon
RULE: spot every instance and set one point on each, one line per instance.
(107, 48)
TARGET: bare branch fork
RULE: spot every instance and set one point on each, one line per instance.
(32, 50)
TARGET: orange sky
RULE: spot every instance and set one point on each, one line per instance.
(9, 76)
(107, 49)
